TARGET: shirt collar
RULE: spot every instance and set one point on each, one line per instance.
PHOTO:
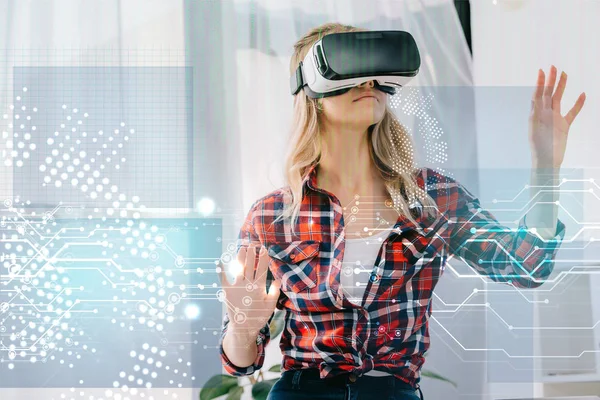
(403, 223)
(310, 181)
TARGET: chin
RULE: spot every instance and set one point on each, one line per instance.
(371, 119)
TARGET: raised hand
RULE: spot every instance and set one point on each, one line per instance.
(548, 129)
(248, 304)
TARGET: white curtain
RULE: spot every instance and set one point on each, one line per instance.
(240, 51)
(513, 39)
(103, 59)
(119, 62)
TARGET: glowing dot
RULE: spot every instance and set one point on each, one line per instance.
(192, 311)
(206, 206)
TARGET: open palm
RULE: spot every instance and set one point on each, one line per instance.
(548, 129)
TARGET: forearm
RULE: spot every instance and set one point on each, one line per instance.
(240, 347)
(543, 214)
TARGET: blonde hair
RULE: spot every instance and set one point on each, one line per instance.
(391, 147)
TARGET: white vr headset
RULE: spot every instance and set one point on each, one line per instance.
(339, 61)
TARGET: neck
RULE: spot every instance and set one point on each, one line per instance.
(346, 165)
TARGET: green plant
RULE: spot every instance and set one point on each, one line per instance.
(221, 384)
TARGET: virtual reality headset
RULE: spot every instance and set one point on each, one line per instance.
(339, 61)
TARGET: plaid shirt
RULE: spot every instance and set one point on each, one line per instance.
(389, 330)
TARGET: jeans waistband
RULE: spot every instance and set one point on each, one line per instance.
(345, 378)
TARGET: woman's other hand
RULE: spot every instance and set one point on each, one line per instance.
(548, 129)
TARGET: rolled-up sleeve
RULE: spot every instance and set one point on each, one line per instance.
(262, 340)
(520, 258)
(246, 236)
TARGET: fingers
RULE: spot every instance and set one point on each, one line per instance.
(241, 259)
(262, 268)
(274, 289)
(225, 285)
(223, 276)
(241, 255)
(273, 295)
(560, 89)
(249, 264)
(570, 117)
(536, 101)
(542, 96)
(549, 88)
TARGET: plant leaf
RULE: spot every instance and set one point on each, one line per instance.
(275, 368)
(433, 375)
(277, 324)
(235, 393)
(218, 385)
(260, 390)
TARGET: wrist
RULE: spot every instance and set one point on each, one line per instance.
(544, 165)
(243, 333)
(545, 169)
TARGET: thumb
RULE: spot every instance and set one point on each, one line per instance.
(274, 291)
(223, 276)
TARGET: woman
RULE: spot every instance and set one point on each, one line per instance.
(357, 201)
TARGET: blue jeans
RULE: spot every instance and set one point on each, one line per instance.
(298, 385)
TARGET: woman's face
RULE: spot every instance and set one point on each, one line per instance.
(360, 107)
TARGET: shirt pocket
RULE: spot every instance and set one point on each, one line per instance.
(295, 264)
(406, 259)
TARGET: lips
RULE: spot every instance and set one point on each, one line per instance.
(367, 93)
(366, 97)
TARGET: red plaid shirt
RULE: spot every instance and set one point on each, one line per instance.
(389, 330)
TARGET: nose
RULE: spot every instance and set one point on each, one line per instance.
(370, 83)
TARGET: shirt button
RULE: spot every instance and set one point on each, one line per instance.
(293, 256)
